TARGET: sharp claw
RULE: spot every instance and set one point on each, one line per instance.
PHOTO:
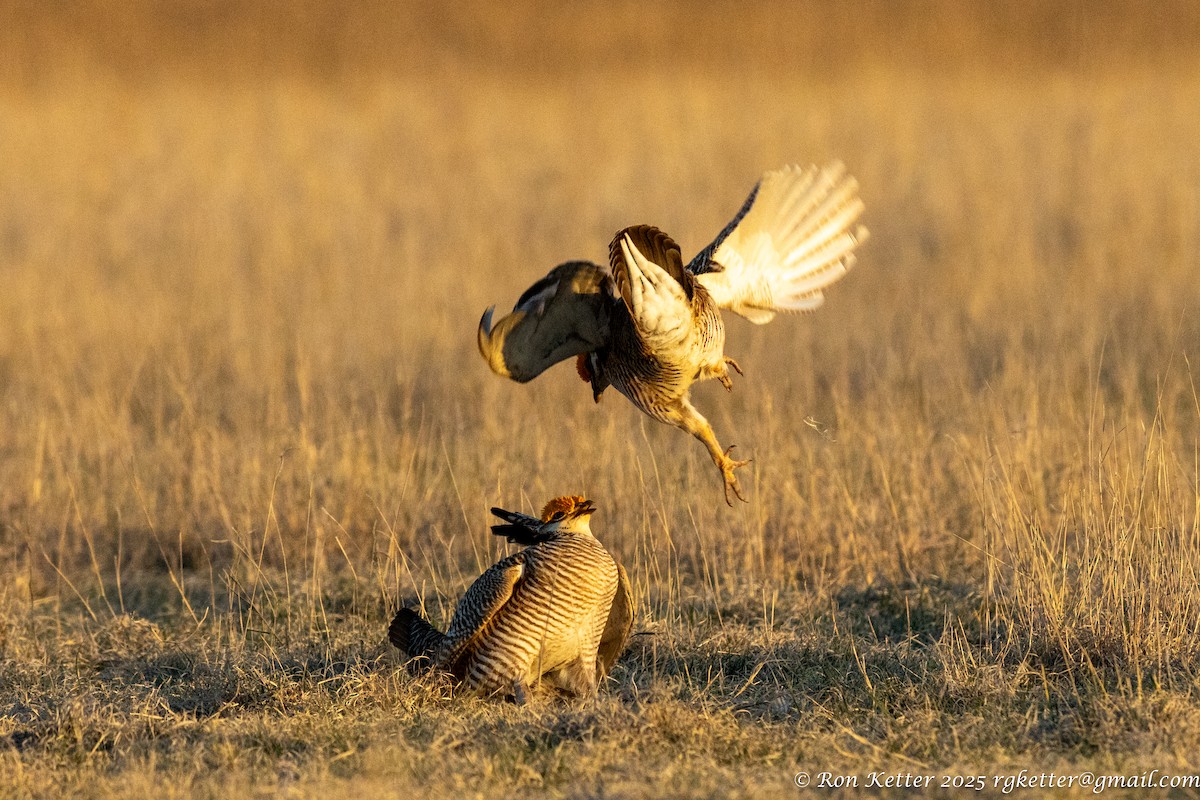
(736, 463)
(731, 483)
(724, 376)
(728, 465)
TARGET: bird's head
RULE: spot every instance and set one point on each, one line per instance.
(568, 513)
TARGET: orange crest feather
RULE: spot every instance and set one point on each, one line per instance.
(565, 504)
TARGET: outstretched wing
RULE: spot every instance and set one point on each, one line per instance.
(794, 236)
(520, 528)
(703, 262)
(656, 289)
(562, 315)
(478, 606)
(616, 630)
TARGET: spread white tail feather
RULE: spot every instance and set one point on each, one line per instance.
(797, 238)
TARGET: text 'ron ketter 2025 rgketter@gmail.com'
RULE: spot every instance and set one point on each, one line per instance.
(1005, 783)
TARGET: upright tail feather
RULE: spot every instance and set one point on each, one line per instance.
(521, 529)
(521, 534)
(414, 637)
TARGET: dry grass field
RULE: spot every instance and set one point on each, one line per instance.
(243, 251)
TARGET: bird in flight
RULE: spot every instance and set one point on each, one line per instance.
(650, 326)
(559, 610)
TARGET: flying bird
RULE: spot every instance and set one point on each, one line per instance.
(559, 610)
(651, 326)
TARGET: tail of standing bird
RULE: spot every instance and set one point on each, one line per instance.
(415, 637)
(796, 237)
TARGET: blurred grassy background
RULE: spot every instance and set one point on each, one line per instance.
(243, 251)
(222, 41)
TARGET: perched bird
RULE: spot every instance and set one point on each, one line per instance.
(650, 326)
(560, 610)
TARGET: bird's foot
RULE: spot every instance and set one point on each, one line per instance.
(520, 696)
(724, 376)
(728, 465)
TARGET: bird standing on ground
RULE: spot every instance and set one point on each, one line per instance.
(650, 326)
(560, 610)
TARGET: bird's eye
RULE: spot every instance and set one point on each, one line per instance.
(556, 516)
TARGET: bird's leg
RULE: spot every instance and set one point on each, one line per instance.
(723, 377)
(578, 679)
(519, 694)
(694, 423)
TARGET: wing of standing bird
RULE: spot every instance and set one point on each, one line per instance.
(618, 627)
(482, 601)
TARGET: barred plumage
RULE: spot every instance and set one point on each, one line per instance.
(650, 326)
(543, 613)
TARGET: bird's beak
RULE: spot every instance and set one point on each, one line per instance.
(585, 508)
